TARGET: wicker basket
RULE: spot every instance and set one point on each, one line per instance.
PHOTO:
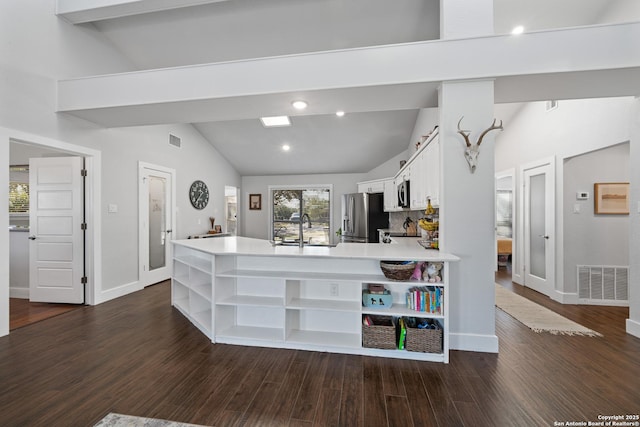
(397, 270)
(382, 334)
(424, 340)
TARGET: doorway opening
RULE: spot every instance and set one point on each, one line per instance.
(301, 213)
(505, 197)
(231, 209)
(26, 233)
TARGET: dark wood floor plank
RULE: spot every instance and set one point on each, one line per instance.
(137, 355)
(328, 413)
(419, 404)
(351, 404)
(307, 400)
(399, 413)
(392, 378)
(23, 312)
(285, 399)
(375, 408)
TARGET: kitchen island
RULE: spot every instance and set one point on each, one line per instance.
(246, 291)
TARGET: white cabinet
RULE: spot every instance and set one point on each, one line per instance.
(431, 167)
(390, 196)
(417, 184)
(292, 302)
(373, 186)
(424, 170)
(192, 286)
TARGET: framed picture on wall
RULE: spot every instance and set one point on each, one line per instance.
(611, 198)
(255, 202)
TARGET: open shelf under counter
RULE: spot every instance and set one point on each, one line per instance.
(234, 333)
(202, 320)
(323, 304)
(197, 262)
(304, 275)
(203, 290)
(320, 338)
(259, 301)
(399, 310)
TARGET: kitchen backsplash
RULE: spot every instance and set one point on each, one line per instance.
(396, 219)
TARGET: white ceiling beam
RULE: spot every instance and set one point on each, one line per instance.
(598, 48)
(83, 11)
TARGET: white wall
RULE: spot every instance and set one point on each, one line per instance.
(37, 49)
(387, 169)
(591, 239)
(633, 323)
(620, 11)
(256, 223)
(575, 127)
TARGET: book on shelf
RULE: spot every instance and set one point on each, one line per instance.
(426, 299)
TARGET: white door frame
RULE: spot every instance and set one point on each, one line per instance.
(143, 276)
(550, 221)
(93, 245)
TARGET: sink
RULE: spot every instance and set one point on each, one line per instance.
(274, 243)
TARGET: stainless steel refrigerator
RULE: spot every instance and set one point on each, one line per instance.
(362, 215)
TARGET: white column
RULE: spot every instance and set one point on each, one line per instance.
(464, 18)
(467, 213)
(633, 322)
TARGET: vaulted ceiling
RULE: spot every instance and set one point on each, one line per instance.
(376, 126)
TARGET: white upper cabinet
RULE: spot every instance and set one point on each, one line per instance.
(431, 167)
(374, 186)
(390, 195)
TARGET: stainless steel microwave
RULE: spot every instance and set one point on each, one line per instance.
(403, 194)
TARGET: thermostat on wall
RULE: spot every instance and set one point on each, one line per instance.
(582, 195)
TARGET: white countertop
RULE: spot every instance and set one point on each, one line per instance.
(406, 248)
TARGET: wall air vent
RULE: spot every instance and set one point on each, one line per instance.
(603, 285)
(175, 141)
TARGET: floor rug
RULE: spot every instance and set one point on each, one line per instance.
(119, 420)
(536, 317)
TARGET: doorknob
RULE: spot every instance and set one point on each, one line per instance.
(543, 236)
(32, 237)
(168, 231)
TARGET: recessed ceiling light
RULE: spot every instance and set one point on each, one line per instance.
(299, 105)
(275, 121)
(518, 30)
(285, 147)
(339, 113)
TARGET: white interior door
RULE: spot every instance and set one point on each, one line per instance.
(56, 248)
(231, 209)
(156, 224)
(539, 228)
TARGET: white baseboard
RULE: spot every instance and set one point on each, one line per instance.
(633, 328)
(122, 290)
(22, 293)
(473, 342)
(565, 297)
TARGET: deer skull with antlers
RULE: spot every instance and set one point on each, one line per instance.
(472, 150)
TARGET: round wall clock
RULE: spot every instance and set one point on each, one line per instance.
(199, 194)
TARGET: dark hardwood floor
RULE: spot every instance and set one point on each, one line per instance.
(137, 355)
(22, 312)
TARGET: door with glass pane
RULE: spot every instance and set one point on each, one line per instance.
(539, 227)
(156, 224)
(301, 213)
